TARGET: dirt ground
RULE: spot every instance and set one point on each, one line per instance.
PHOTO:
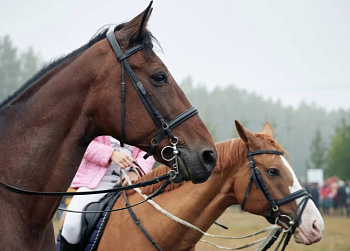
(336, 236)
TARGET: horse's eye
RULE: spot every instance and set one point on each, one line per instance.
(160, 78)
(273, 172)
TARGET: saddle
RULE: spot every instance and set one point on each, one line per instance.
(93, 224)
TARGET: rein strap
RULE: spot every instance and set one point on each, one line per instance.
(117, 189)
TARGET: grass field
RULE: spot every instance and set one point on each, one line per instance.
(336, 236)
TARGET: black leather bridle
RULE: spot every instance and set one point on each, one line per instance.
(163, 127)
(255, 176)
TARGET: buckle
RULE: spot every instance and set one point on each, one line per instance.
(275, 208)
(166, 127)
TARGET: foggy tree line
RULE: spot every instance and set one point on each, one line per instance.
(311, 135)
(15, 67)
(314, 137)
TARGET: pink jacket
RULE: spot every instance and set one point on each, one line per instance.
(97, 160)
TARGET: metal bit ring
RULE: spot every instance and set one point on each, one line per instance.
(290, 222)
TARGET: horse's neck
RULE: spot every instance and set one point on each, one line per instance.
(202, 204)
(44, 138)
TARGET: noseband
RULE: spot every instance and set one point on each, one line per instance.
(255, 175)
(163, 127)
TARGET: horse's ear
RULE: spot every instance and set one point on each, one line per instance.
(134, 29)
(247, 136)
(267, 129)
(241, 131)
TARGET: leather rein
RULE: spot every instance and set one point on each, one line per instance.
(255, 176)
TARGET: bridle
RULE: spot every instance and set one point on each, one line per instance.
(163, 127)
(255, 175)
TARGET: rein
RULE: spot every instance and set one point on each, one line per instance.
(117, 189)
(128, 206)
(189, 225)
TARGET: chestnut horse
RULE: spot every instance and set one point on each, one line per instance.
(52, 119)
(202, 204)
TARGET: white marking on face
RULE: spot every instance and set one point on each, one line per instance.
(312, 223)
(296, 185)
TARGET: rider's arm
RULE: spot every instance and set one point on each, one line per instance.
(146, 164)
(99, 151)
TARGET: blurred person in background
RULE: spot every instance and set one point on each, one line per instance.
(334, 186)
(315, 194)
(347, 190)
(341, 197)
(326, 196)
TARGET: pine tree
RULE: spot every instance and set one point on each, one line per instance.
(30, 63)
(9, 67)
(338, 156)
(318, 152)
(15, 70)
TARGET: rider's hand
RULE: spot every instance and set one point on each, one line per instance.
(132, 177)
(121, 159)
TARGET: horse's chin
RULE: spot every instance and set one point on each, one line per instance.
(196, 170)
(184, 174)
(301, 238)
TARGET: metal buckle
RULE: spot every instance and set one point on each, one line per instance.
(166, 127)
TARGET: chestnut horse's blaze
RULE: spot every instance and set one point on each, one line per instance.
(51, 120)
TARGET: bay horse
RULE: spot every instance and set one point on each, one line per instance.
(202, 204)
(52, 119)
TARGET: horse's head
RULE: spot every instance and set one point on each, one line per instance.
(281, 183)
(197, 153)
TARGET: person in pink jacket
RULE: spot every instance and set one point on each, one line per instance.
(100, 169)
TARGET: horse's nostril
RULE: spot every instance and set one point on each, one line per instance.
(209, 159)
(317, 227)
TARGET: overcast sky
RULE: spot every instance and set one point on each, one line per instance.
(287, 50)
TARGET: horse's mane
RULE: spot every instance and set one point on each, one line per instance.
(230, 152)
(146, 39)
